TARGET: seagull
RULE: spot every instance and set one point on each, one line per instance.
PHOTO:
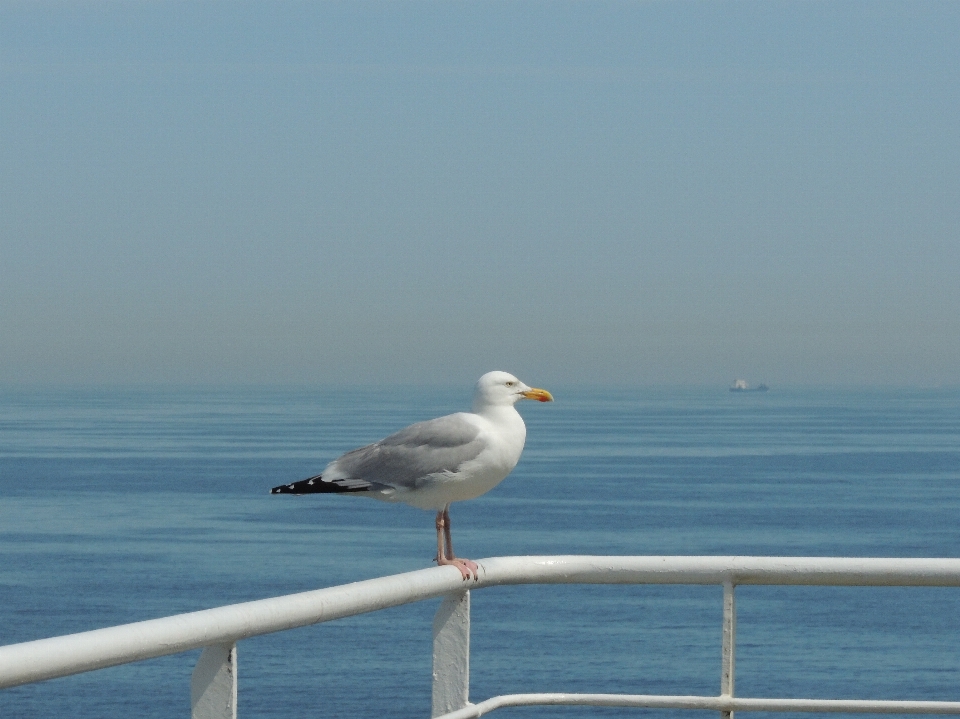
(431, 464)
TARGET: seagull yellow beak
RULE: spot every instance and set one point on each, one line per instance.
(541, 395)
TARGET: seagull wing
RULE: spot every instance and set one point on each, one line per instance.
(403, 461)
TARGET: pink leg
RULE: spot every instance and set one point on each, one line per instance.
(447, 540)
(440, 536)
(445, 555)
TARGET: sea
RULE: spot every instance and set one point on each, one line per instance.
(119, 505)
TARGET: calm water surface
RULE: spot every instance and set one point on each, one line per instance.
(118, 506)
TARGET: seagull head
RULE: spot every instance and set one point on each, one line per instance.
(502, 388)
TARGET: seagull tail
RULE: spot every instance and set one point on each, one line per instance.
(318, 485)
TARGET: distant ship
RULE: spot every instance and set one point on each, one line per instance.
(741, 385)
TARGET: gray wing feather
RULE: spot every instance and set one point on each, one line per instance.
(405, 459)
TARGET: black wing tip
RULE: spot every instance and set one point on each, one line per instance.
(318, 485)
(304, 486)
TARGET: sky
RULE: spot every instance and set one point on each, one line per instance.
(617, 193)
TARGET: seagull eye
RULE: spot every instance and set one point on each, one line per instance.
(510, 384)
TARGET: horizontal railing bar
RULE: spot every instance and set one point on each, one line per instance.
(821, 571)
(75, 653)
(86, 651)
(721, 703)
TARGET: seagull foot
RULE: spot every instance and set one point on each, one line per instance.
(469, 570)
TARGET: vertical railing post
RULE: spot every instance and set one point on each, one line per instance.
(728, 644)
(451, 654)
(213, 686)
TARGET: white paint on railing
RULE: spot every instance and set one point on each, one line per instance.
(219, 629)
(728, 645)
(722, 704)
(451, 654)
(825, 571)
(213, 686)
(75, 653)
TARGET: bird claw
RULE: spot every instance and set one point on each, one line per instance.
(469, 569)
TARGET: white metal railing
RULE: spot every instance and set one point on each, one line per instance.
(217, 631)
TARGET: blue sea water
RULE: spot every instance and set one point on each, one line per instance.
(123, 505)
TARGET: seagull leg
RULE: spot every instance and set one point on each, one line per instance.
(469, 569)
(440, 536)
(445, 548)
(447, 539)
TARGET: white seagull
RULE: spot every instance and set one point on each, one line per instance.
(431, 464)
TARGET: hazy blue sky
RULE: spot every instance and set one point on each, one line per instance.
(629, 192)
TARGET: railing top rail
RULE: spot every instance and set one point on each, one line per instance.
(76, 653)
(823, 571)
